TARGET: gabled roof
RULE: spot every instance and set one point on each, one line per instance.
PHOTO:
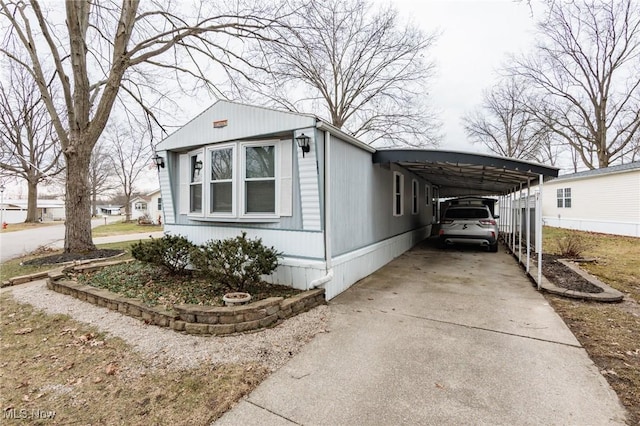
(242, 121)
(602, 171)
(239, 121)
(462, 173)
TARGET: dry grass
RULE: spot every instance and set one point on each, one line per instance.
(618, 258)
(610, 333)
(120, 228)
(53, 364)
(13, 227)
(14, 267)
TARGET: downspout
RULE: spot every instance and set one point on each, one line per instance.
(327, 216)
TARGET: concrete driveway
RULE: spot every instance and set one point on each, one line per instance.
(454, 337)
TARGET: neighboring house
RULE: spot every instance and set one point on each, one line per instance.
(109, 210)
(15, 211)
(603, 200)
(149, 205)
(338, 209)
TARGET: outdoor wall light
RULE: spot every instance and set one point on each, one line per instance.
(303, 143)
(159, 161)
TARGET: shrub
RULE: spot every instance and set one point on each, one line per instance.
(173, 252)
(236, 262)
(571, 245)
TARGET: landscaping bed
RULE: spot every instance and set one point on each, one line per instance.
(72, 257)
(563, 276)
(157, 287)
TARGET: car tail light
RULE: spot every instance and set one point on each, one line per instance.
(487, 221)
(441, 232)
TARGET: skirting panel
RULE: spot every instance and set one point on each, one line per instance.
(616, 228)
(352, 267)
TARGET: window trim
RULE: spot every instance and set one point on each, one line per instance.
(243, 179)
(238, 183)
(234, 171)
(563, 197)
(398, 192)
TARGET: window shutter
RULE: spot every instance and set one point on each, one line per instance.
(184, 184)
(286, 178)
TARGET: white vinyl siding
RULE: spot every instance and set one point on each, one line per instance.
(608, 203)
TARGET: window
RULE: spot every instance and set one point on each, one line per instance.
(427, 198)
(221, 186)
(435, 209)
(140, 205)
(241, 180)
(160, 204)
(195, 183)
(564, 197)
(260, 179)
(414, 196)
(398, 190)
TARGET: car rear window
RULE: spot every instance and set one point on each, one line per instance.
(467, 213)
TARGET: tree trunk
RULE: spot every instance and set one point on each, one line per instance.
(32, 202)
(78, 202)
(127, 209)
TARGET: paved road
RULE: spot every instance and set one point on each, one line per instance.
(438, 338)
(15, 244)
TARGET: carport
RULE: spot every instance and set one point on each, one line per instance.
(456, 174)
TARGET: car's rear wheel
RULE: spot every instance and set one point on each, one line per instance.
(493, 248)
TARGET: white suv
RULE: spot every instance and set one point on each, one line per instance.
(469, 225)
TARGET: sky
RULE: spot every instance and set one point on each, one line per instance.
(476, 37)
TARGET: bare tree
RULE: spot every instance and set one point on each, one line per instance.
(29, 144)
(100, 175)
(103, 50)
(130, 154)
(356, 65)
(504, 125)
(586, 67)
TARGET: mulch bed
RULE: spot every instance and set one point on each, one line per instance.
(72, 257)
(564, 277)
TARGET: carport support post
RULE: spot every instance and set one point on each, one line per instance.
(513, 221)
(528, 223)
(520, 224)
(539, 229)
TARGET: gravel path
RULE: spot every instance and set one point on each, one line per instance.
(272, 347)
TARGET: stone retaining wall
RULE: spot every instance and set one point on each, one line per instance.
(194, 319)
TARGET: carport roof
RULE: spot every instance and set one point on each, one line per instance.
(462, 173)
